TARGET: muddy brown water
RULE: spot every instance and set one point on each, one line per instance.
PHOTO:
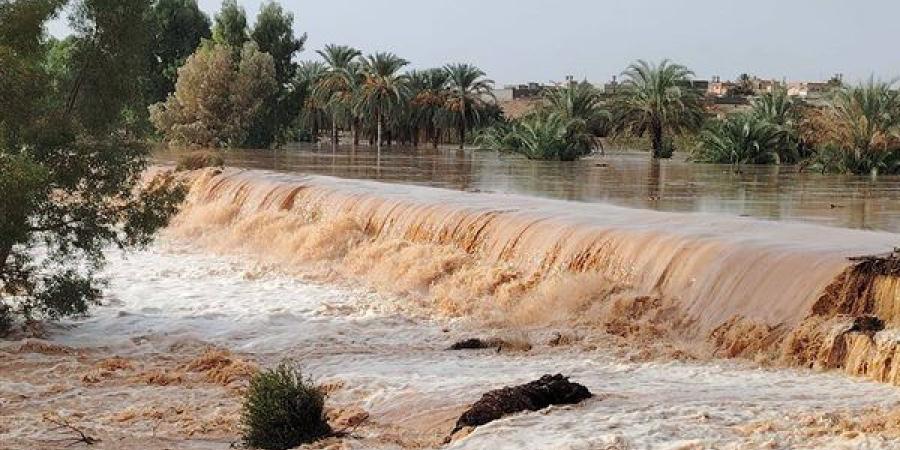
(786, 193)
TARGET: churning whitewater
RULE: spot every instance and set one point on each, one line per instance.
(365, 285)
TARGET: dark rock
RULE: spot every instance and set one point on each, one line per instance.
(473, 344)
(867, 324)
(532, 396)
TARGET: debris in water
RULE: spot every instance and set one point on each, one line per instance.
(474, 344)
(867, 324)
(532, 396)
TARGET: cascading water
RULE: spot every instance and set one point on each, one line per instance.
(746, 286)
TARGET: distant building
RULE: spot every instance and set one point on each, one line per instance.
(614, 86)
(520, 91)
(754, 86)
(808, 89)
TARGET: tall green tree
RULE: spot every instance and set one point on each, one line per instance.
(336, 87)
(657, 99)
(468, 89)
(178, 26)
(231, 26)
(382, 91)
(273, 33)
(71, 177)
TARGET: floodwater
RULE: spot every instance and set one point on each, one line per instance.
(395, 365)
(627, 179)
(614, 271)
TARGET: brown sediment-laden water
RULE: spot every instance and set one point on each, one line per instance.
(691, 329)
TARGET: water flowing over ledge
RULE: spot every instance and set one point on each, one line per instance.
(747, 287)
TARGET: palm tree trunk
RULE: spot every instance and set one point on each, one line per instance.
(334, 133)
(378, 137)
(657, 139)
(435, 137)
(355, 125)
(462, 125)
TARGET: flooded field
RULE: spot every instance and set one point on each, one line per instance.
(693, 326)
(627, 179)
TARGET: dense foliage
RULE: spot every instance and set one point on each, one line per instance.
(217, 99)
(740, 139)
(71, 167)
(561, 128)
(282, 410)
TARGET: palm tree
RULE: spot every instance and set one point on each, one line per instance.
(427, 98)
(742, 138)
(335, 88)
(580, 101)
(382, 88)
(468, 91)
(312, 113)
(865, 122)
(779, 109)
(657, 99)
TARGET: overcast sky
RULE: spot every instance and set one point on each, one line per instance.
(542, 40)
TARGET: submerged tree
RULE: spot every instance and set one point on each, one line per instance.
(313, 115)
(382, 89)
(336, 87)
(468, 91)
(71, 177)
(862, 124)
(579, 101)
(657, 99)
(742, 138)
(429, 101)
(216, 99)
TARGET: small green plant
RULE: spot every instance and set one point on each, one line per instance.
(6, 319)
(739, 139)
(199, 159)
(282, 410)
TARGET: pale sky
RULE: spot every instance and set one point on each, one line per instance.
(541, 40)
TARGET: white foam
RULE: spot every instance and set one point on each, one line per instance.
(169, 294)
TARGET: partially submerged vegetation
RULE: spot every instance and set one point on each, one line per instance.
(199, 159)
(282, 410)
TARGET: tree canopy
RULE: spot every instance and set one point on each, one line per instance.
(70, 169)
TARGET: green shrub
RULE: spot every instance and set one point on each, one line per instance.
(832, 159)
(200, 159)
(739, 139)
(283, 410)
(6, 319)
(541, 135)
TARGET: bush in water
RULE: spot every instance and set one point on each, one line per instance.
(199, 159)
(541, 135)
(283, 410)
